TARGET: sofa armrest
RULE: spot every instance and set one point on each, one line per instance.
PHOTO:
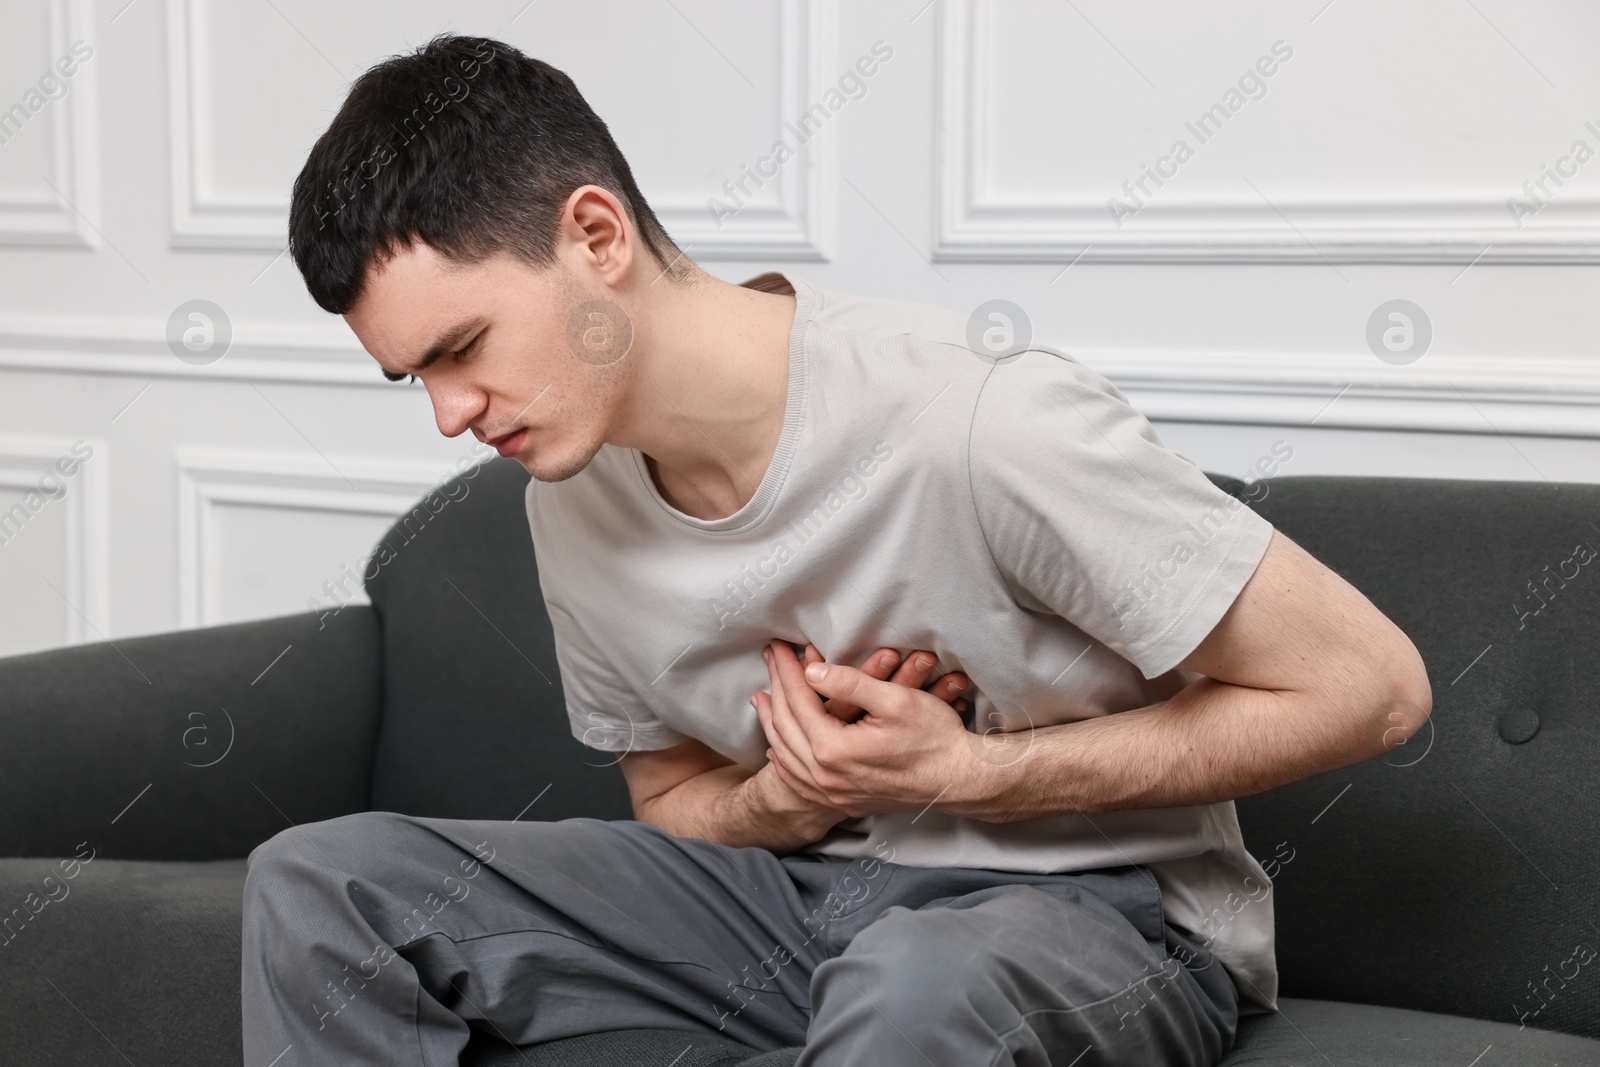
(193, 745)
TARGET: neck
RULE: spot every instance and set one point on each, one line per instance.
(706, 405)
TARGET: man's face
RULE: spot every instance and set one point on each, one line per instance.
(489, 341)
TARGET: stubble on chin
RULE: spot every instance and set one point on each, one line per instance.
(547, 468)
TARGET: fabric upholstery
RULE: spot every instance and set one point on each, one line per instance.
(1452, 874)
(1381, 876)
(139, 960)
(1304, 1032)
(1448, 878)
(209, 751)
(1364, 1035)
(474, 722)
(148, 952)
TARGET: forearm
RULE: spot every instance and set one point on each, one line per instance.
(731, 806)
(1210, 742)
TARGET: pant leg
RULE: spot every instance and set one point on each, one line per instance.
(1025, 970)
(378, 938)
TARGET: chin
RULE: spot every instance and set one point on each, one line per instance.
(549, 465)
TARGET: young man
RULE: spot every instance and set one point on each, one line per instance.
(849, 859)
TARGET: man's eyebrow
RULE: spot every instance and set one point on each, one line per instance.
(447, 342)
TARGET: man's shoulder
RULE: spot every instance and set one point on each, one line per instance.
(1046, 373)
(1045, 389)
(889, 317)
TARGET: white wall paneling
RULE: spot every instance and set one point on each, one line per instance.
(78, 593)
(1445, 221)
(1536, 396)
(31, 212)
(324, 354)
(202, 215)
(800, 226)
(796, 224)
(1232, 308)
(213, 482)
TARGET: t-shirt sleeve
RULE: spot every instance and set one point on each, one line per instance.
(603, 710)
(1087, 514)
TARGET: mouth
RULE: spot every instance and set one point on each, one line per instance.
(509, 444)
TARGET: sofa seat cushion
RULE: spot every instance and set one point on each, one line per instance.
(1303, 1032)
(1367, 1035)
(125, 958)
(142, 959)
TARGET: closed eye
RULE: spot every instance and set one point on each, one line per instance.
(434, 354)
(469, 348)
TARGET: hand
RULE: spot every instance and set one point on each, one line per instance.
(902, 755)
(912, 673)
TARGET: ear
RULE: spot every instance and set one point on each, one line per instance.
(596, 228)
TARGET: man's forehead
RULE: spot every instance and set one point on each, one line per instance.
(409, 294)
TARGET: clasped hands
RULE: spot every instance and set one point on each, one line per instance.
(879, 742)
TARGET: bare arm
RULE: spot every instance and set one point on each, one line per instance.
(1303, 675)
(691, 790)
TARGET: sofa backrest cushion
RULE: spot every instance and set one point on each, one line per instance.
(474, 721)
(1457, 872)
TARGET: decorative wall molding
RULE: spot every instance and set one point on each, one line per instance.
(210, 477)
(1470, 394)
(1532, 395)
(137, 348)
(977, 223)
(87, 552)
(45, 218)
(799, 228)
(201, 217)
(1249, 388)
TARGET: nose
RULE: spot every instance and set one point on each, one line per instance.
(454, 407)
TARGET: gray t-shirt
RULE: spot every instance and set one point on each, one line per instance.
(1019, 519)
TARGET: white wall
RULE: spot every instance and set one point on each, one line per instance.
(1232, 306)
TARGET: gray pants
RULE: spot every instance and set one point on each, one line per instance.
(380, 938)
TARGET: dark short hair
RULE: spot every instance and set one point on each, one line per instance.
(466, 144)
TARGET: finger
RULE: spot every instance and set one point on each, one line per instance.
(800, 787)
(838, 682)
(800, 702)
(950, 686)
(763, 705)
(916, 670)
(878, 665)
(784, 720)
(881, 663)
(779, 751)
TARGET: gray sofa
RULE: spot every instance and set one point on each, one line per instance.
(1432, 899)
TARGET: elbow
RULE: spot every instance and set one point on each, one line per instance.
(1406, 700)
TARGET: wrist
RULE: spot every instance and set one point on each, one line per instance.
(789, 814)
(986, 769)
